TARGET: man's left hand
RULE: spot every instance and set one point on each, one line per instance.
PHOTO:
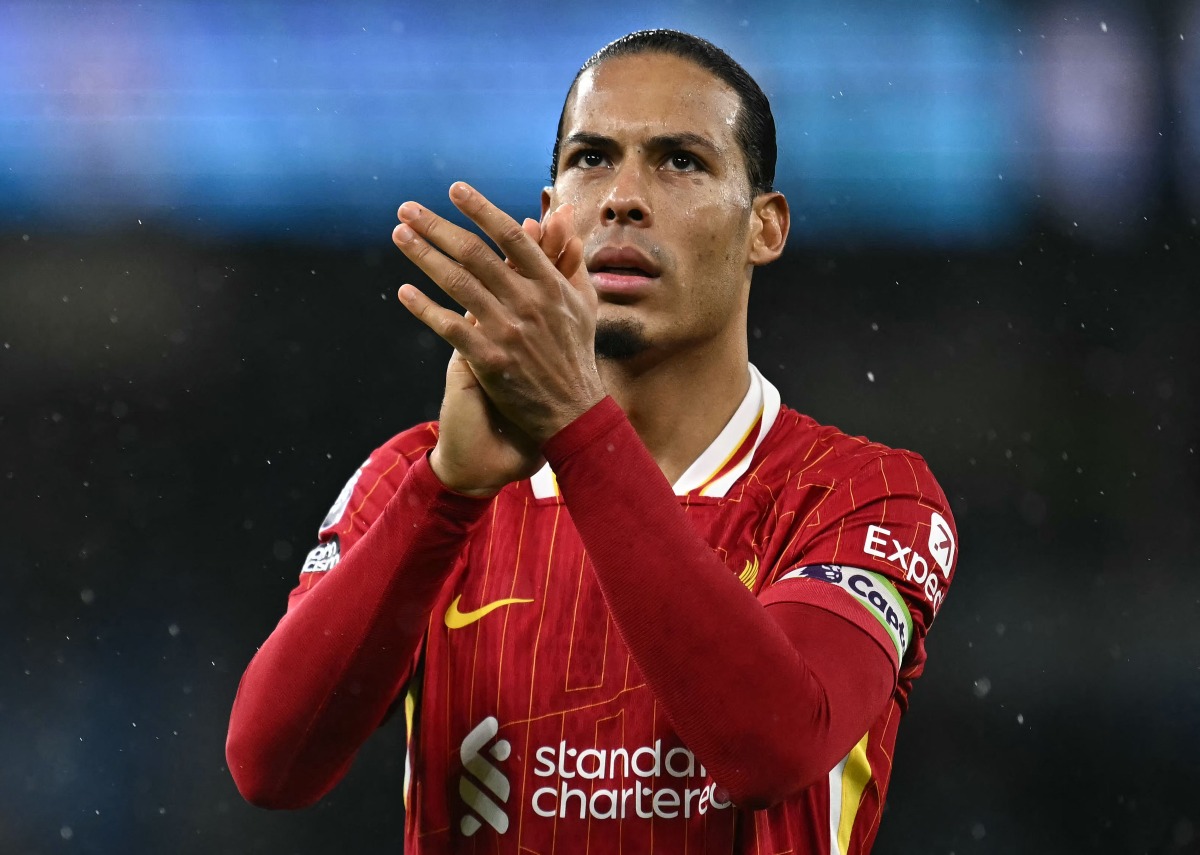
(532, 344)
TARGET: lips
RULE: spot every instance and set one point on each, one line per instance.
(622, 261)
(623, 271)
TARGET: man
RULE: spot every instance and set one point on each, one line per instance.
(628, 600)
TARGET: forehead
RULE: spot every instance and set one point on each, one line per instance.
(651, 94)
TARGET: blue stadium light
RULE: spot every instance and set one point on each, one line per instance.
(900, 124)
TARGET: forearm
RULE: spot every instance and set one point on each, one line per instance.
(765, 715)
(327, 675)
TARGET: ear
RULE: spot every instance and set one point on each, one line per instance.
(547, 199)
(771, 220)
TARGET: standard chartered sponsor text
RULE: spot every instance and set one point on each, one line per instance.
(645, 783)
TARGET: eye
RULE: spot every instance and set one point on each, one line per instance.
(682, 161)
(588, 159)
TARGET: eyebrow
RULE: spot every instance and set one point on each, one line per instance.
(685, 139)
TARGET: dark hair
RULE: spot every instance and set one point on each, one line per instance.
(755, 129)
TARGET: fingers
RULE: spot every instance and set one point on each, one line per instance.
(514, 241)
(458, 281)
(555, 235)
(556, 231)
(455, 329)
(467, 269)
(560, 243)
(570, 265)
(532, 228)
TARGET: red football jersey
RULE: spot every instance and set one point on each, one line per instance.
(530, 728)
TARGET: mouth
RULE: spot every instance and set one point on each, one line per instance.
(621, 282)
(622, 270)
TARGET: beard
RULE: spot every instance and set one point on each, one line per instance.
(623, 339)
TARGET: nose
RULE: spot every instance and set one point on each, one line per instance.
(627, 202)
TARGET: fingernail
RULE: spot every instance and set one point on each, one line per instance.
(411, 210)
(460, 192)
(404, 234)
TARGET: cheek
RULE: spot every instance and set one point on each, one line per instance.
(586, 202)
(570, 194)
(718, 221)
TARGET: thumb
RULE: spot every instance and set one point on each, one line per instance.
(564, 247)
(459, 374)
(570, 264)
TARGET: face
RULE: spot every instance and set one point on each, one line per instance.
(670, 227)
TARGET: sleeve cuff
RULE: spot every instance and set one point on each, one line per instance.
(605, 415)
(430, 494)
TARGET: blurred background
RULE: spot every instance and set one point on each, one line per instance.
(995, 260)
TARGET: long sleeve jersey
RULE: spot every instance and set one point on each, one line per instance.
(597, 660)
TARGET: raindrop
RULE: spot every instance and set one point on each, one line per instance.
(982, 687)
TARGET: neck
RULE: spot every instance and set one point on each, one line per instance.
(679, 404)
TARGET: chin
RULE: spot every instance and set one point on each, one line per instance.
(620, 339)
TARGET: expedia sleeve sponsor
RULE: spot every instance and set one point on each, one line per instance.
(879, 543)
(874, 591)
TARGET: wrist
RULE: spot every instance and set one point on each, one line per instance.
(454, 481)
(567, 415)
(589, 426)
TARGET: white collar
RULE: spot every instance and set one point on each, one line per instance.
(727, 457)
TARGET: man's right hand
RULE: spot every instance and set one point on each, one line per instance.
(479, 451)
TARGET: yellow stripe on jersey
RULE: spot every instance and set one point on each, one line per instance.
(410, 712)
(737, 447)
(855, 777)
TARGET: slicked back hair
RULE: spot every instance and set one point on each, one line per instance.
(755, 130)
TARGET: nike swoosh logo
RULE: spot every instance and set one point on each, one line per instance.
(457, 620)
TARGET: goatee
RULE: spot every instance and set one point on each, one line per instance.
(622, 339)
